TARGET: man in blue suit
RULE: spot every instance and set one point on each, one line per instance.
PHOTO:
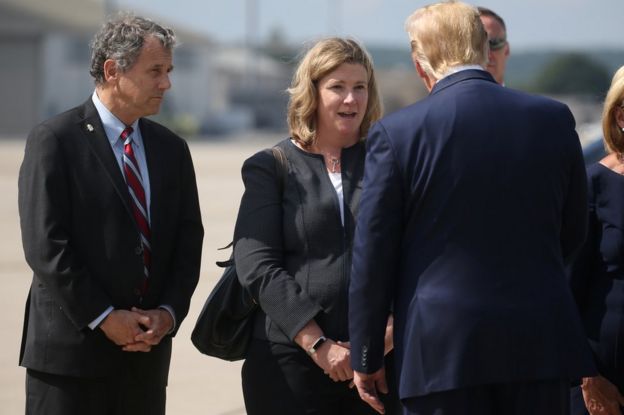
(473, 201)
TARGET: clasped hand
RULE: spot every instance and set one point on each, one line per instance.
(137, 330)
(335, 360)
(601, 396)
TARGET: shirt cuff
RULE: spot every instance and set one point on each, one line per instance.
(95, 323)
(170, 311)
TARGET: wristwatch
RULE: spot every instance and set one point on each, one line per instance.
(317, 345)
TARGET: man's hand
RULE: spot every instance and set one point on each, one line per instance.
(388, 336)
(157, 323)
(123, 326)
(335, 360)
(601, 396)
(368, 385)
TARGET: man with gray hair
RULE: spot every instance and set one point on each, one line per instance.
(112, 230)
(473, 201)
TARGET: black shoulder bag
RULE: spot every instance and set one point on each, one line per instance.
(225, 323)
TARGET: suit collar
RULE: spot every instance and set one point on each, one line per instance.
(95, 136)
(352, 174)
(454, 78)
(156, 159)
(113, 126)
(352, 161)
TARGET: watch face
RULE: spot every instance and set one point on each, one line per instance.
(317, 344)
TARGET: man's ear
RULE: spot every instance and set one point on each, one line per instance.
(421, 72)
(429, 83)
(110, 69)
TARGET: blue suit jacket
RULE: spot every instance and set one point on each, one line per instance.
(473, 200)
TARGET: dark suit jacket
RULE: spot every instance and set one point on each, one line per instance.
(597, 274)
(291, 250)
(473, 200)
(83, 245)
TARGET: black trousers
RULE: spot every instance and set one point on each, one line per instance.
(547, 397)
(283, 380)
(126, 394)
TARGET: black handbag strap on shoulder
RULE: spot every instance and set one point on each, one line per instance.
(281, 166)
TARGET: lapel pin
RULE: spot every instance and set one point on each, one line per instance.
(90, 128)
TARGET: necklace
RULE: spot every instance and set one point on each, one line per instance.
(334, 164)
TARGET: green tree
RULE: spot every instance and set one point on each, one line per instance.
(573, 73)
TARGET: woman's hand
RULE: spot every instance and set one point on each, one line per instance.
(335, 360)
(601, 396)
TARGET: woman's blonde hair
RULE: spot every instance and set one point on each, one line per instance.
(324, 57)
(613, 135)
(444, 35)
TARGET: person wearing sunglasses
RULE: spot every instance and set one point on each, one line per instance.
(497, 38)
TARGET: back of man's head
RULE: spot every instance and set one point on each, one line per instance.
(485, 12)
(444, 35)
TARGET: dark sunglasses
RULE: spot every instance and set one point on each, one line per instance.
(497, 43)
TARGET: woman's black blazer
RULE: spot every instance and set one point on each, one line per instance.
(291, 250)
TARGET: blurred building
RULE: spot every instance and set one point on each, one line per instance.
(34, 38)
(45, 52)
(255, 85)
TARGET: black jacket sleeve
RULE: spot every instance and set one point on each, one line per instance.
(45, 219)
(259, 250)
(585, 264)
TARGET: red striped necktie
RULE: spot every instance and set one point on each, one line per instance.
(138, 201)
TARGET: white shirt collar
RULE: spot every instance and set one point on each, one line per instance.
(459, 68)
(113, 127)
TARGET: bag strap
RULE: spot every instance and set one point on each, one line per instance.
(281, 165)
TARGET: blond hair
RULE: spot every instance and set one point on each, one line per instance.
(613, 135)
(444, 35)
(324, 57)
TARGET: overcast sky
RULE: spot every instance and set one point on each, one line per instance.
(531, 24)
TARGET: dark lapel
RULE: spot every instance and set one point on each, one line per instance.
(459, 77)
(156, 161)
(352, 174)
(95, 136)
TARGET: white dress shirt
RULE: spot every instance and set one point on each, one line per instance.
(113, 127)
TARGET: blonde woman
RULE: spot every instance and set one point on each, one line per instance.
(293, 238)
(597, 276)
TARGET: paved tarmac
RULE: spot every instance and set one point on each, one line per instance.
(197, 384)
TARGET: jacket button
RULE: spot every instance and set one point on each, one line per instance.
(138, 250)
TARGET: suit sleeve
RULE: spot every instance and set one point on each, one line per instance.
(376, 252)
(188, 245)
(574, 214)
(585, 264)
(259, 250)
(45, 220)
